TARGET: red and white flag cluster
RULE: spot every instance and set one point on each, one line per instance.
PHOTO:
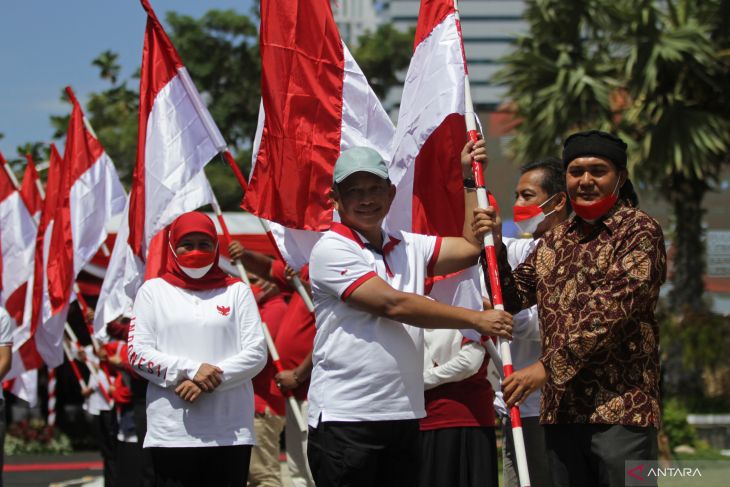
(84, 193)
(17, 237)
(316, 102)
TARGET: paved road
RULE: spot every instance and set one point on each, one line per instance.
(75, 470)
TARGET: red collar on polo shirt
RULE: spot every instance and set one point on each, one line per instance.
(349, 233)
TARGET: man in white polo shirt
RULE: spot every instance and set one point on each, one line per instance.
(366, 390)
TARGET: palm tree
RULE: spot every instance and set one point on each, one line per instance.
(561, 75)
(108, 65)
(678, 120)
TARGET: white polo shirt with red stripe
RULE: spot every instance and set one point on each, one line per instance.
(366, 368)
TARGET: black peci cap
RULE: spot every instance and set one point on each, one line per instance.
(595, 143)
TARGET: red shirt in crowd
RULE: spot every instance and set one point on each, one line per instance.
(265, 396)
(467, 403)
(296, 336)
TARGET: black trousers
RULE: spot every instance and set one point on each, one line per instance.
(538, 465)
(216, 466)
(364, 454)
(595, 454)
(146, 470)
(2, 437)
(459, 457)
(105, 429)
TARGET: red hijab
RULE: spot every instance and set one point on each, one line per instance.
(194, 222)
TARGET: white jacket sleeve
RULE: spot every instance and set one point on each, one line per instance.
(525, 325)
(251, 358)
(159, 368)
(464, 364)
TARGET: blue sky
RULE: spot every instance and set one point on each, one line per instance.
(48, 44)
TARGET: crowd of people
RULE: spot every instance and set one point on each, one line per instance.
(392, 391)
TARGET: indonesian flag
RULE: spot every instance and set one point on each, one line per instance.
(25, 352)
(17, 236)
(177, 138)
(430, 134)
(87, 194)
(32, 190)
(91, 195)
(317, 102)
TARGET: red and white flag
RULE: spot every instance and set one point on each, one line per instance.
(177, 138)
(17, 237)
(37, 306)
(430, 134)
(87, 196)
(91, 195)
(32, 190)
(317, 102)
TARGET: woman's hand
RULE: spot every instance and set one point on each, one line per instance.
(522, 383)
(208, 377)
(188, 390)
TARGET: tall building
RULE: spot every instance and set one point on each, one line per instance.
(354, 17)
(488, 27)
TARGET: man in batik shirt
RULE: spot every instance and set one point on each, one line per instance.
(595, 279)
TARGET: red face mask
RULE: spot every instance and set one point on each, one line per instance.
(195, 263)
(196, 258)
(594, 211)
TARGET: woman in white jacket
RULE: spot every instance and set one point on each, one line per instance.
(196, 337)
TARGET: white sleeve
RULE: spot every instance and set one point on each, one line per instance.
(463, 365)
(337, 268)
(428, 248)
(6, 329)
(518, 249)
(251, 359)
(525, 325)
(159, 368)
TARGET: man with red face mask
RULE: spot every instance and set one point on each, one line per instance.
(595, 279)
(541, 203)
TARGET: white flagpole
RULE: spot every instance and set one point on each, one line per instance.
(483, 202)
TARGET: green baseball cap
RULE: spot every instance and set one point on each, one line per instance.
(359, 159)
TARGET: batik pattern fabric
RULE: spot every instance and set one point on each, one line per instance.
(596, 293)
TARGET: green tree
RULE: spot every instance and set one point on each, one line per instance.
(383, 54)
(678, 119)
(39, 151)
(561, 73)
(112, 114)
(108, 66)
(221, 52)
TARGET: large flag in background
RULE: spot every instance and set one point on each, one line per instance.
(31, 189)
(177, 138)
(430, 134)
(90, 196)
(17, 235)
(316, 102)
